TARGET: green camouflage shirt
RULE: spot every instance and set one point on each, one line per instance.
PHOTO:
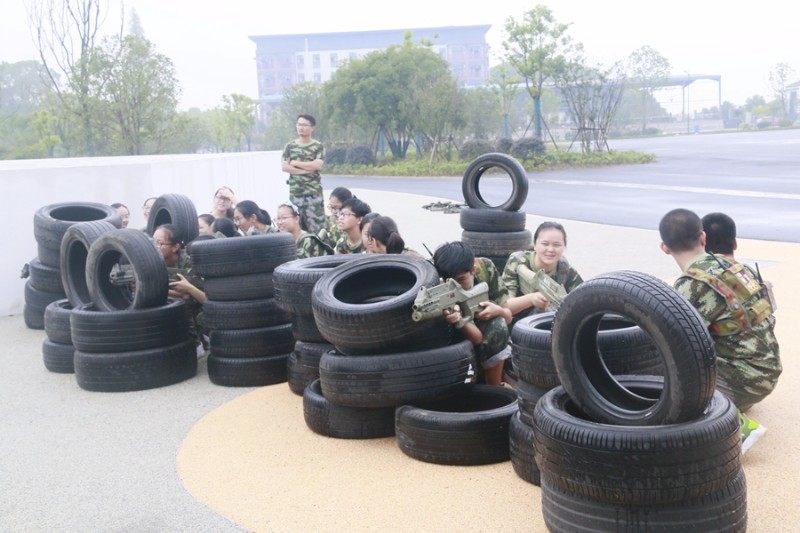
(344, 247)
(485, 271)
(309, 245)
(309, 184)
(330, 234)
(564, 274)
(748, 361)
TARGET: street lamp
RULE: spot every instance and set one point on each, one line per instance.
(688, 81)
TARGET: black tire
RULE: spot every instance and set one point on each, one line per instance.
(304, 328)
(47, 256)
(75, 245)
(637, 465)
(494, 244)
(236, 256)
(95, 331)
(237, 288)
(724, 511)
(522, 451)
(499, 261)
(395, 379)
(339, 422)
(134, 248)
(676, 330)
(136, 370)
(298, 375)
(624, 347)
(248, 343)
(51, 222)
(382, 325)
(245, 314)
(57, 321)
(470, 428)
(295, 280)
(528, 396)
(175, 209)
(470, 185)
(491, 220)
(36, 302)
(45, 278)
(249, 372)
(58, 357)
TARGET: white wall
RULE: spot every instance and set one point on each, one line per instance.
(31, 184)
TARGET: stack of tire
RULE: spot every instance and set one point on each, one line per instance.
(494, 229)
(624, 347)
(294, 283)
(382, 358)
(250, 336)
(58, 352)
(127, 336)
(637, 453)
(44, 285)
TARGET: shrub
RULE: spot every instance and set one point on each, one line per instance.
(651, 131)
(360, 155)
(474, 148)
(785, 122)
(527, 148)
(504, 145)
(335, 156)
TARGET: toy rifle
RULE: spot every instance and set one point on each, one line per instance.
(530, 282)
(431, 302)
(123, 274)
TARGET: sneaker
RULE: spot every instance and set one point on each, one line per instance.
(752, 431)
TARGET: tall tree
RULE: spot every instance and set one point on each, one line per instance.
(537, 47)
(65, 32)
(779, 77)
(240, 113)
(504, 82)
(647, 71)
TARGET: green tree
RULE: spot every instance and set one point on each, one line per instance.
(504, 83)
(537, 47)
(485, 117)
(779, 77)
(647, 71)
(240, 114)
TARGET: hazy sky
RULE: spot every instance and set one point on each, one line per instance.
(208, 40)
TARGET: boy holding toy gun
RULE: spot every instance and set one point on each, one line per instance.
(488, 332)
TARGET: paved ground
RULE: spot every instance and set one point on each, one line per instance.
(199, 457)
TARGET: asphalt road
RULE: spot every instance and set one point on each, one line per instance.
(752, 176)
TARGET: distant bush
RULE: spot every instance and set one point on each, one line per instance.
(785, 122)
(335, 156)
(504, 145)
(527, 148)
(360, 155)
(761, 124)
(651, 131)
(474, 148)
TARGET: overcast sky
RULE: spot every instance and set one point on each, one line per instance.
(208, 40)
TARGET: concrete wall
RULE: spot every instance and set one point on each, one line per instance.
(31, 184)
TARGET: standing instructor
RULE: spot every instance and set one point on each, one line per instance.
(303, 158)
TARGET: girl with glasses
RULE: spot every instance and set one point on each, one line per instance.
(290, 220)
(349, 218)
(224, 202)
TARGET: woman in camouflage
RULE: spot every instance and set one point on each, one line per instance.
(291, 221)
(251, 219)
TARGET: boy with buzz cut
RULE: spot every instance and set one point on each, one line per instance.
(488, 331)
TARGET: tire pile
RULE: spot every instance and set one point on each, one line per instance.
(250, 337)
(637, 453)
(494, 231)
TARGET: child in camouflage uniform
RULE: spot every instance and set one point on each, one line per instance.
(489, 330)
(353, 210)
(308, 245)
(303, 158)
(731, 299)
(330, 233)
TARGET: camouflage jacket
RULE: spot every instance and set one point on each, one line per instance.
(342, 246)
(330, 233)
(255, 231)
(564, 274)
(747, 359)
(309, 245)
(309, 184)
(485, 271)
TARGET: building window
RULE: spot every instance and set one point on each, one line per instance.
(457, 52)
(476, 51)
(301, 60)
(315, 60)
(286, 80)
(267, 62)
(334, 60)
(301, 77)
(317, 77)
(286, 61)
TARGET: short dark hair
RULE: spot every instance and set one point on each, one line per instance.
(549, 224)
(311, 120)
(720, 233)
(384, 230)
(453, 258)
(358, 207)
(207, 218)
(117, 205)
(341, 193)
(680, 230)
(173, 232)
(225, 226)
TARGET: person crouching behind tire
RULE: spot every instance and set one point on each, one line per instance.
(290, 220)
(488, 331)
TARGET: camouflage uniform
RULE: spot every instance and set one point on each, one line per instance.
(309, 245)
(563, 274)
(342, 246)
(255, 231)
(331, 233)
(748, 355)
(195, 308)
(493, 349)
(305, 190)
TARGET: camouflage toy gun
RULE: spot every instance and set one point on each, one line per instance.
(430, 302)
(530, 282)
(123, 274)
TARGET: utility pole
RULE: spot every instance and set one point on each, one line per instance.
(688, 81)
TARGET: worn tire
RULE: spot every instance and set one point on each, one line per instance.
(237, 288)
(75, 245)
(522, 451)
(495, 243)
(637, 465)
(470, 185)
(57, 321)
(238, 256)
(304, 328)
(528, 396)
(294, 281)
(247, 372)
(364, 306)
(36, 302)
(491, 220)
(340, 422)
(136, 370)
(45, 278)
(51, 222)
(256, 342)
(96, 331)
(470, 428)
(676, 330)
(245, 314)
(395, 379)
(131, 247)
(58, 357)
(175, 209)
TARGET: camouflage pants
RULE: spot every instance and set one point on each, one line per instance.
(493, 350)
(314, 209)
